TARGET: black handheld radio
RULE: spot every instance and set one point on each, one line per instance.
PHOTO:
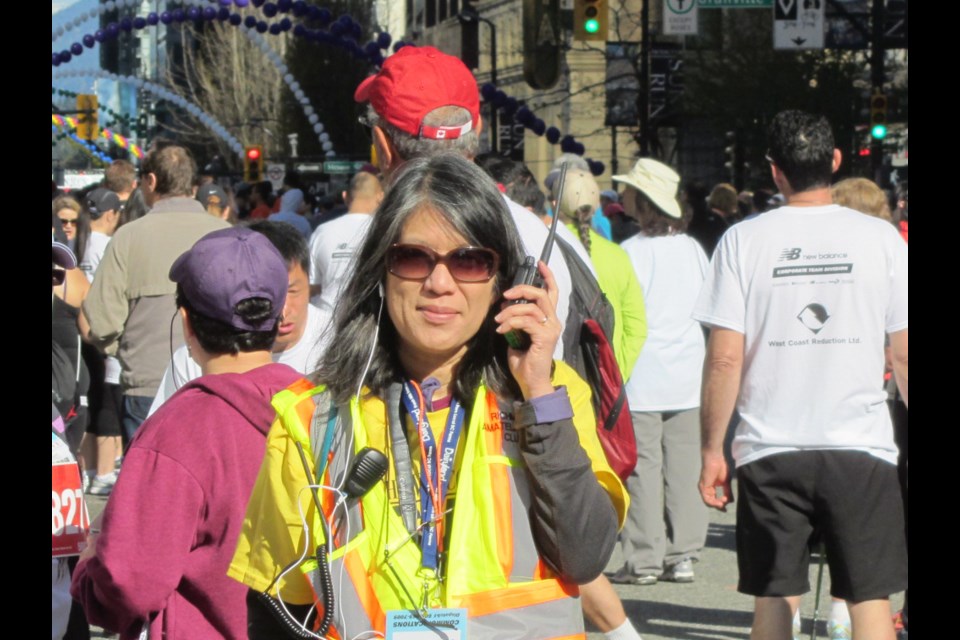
(529, 274)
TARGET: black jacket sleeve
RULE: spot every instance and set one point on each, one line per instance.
(573, 519)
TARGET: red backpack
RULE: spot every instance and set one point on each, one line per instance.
(586, 348)
(614, 425)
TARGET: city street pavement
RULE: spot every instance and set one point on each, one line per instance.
(709, 608)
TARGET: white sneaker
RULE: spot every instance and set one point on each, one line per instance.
(678, 572)
(102, 486)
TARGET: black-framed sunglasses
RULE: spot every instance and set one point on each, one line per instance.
(59, 275)
(66, 221)
(465, 264)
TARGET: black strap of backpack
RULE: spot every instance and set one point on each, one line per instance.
(614, 414)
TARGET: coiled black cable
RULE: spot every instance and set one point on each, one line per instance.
(327, 583)
(289, 625)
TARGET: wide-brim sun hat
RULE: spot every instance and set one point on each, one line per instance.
(658, 182)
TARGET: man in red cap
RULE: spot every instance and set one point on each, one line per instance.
(424, 102)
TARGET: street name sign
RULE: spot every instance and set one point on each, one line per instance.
(342, 166)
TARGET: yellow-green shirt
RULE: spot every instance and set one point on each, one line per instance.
(619, 283)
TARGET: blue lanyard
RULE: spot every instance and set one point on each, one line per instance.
(434, 482)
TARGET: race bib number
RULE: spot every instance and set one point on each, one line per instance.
(437, 624)
(71, 521)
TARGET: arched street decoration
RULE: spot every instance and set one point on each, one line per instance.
(249, 31)
(89, 147)
(110, 136)
(164, 93)
(342, 33)
(325, 143)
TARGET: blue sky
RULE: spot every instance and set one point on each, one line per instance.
(64, 10)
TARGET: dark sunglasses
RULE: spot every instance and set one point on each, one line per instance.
(465, 264)
(58, 276)
(67, 220)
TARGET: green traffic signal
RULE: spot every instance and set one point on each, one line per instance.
(879, 131)
(591, 26)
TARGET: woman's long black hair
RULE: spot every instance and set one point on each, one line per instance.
(469, 200)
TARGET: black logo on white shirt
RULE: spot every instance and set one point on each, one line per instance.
(813, 316)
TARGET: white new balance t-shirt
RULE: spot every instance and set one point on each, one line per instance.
(302, 357)
(814, 291)
(667, 374)
(332, 247)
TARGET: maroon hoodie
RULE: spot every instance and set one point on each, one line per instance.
(172, 522)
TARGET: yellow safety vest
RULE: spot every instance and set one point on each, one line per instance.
(492, 569)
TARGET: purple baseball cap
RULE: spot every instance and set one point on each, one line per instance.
(228, 266)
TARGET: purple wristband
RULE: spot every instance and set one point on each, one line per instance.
(552, 407)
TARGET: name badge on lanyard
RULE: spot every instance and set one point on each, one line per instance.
(435, 624)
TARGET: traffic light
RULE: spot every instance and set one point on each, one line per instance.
(253, 163)
(88, 125)
(878, 116)
(541, 43)
(590, 20)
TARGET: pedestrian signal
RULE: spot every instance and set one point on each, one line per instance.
(88, 125)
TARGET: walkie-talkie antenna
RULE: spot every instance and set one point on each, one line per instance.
(548, 245)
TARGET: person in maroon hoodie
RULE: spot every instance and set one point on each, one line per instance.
(160, 557)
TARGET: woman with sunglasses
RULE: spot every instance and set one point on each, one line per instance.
(67, 210)
(496, 497)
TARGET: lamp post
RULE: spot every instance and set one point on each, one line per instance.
(469, 14)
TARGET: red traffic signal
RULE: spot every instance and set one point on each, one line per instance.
(253, 163)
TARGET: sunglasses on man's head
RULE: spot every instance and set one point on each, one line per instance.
(465, 264)
(58, 276)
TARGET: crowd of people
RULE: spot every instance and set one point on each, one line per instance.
(309, 423)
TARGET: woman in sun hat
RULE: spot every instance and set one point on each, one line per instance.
(667, 522)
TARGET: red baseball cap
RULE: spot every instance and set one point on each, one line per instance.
(416, 80)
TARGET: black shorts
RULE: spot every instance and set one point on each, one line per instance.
(850, 499)
(104, 400)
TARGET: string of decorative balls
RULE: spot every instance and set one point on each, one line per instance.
(344, 32)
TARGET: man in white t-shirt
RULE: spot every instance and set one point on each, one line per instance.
(333, 244)
(103, 208)
(102, 441)
(799, 301)
(302, 335)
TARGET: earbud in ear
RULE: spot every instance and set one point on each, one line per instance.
(380, 289)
